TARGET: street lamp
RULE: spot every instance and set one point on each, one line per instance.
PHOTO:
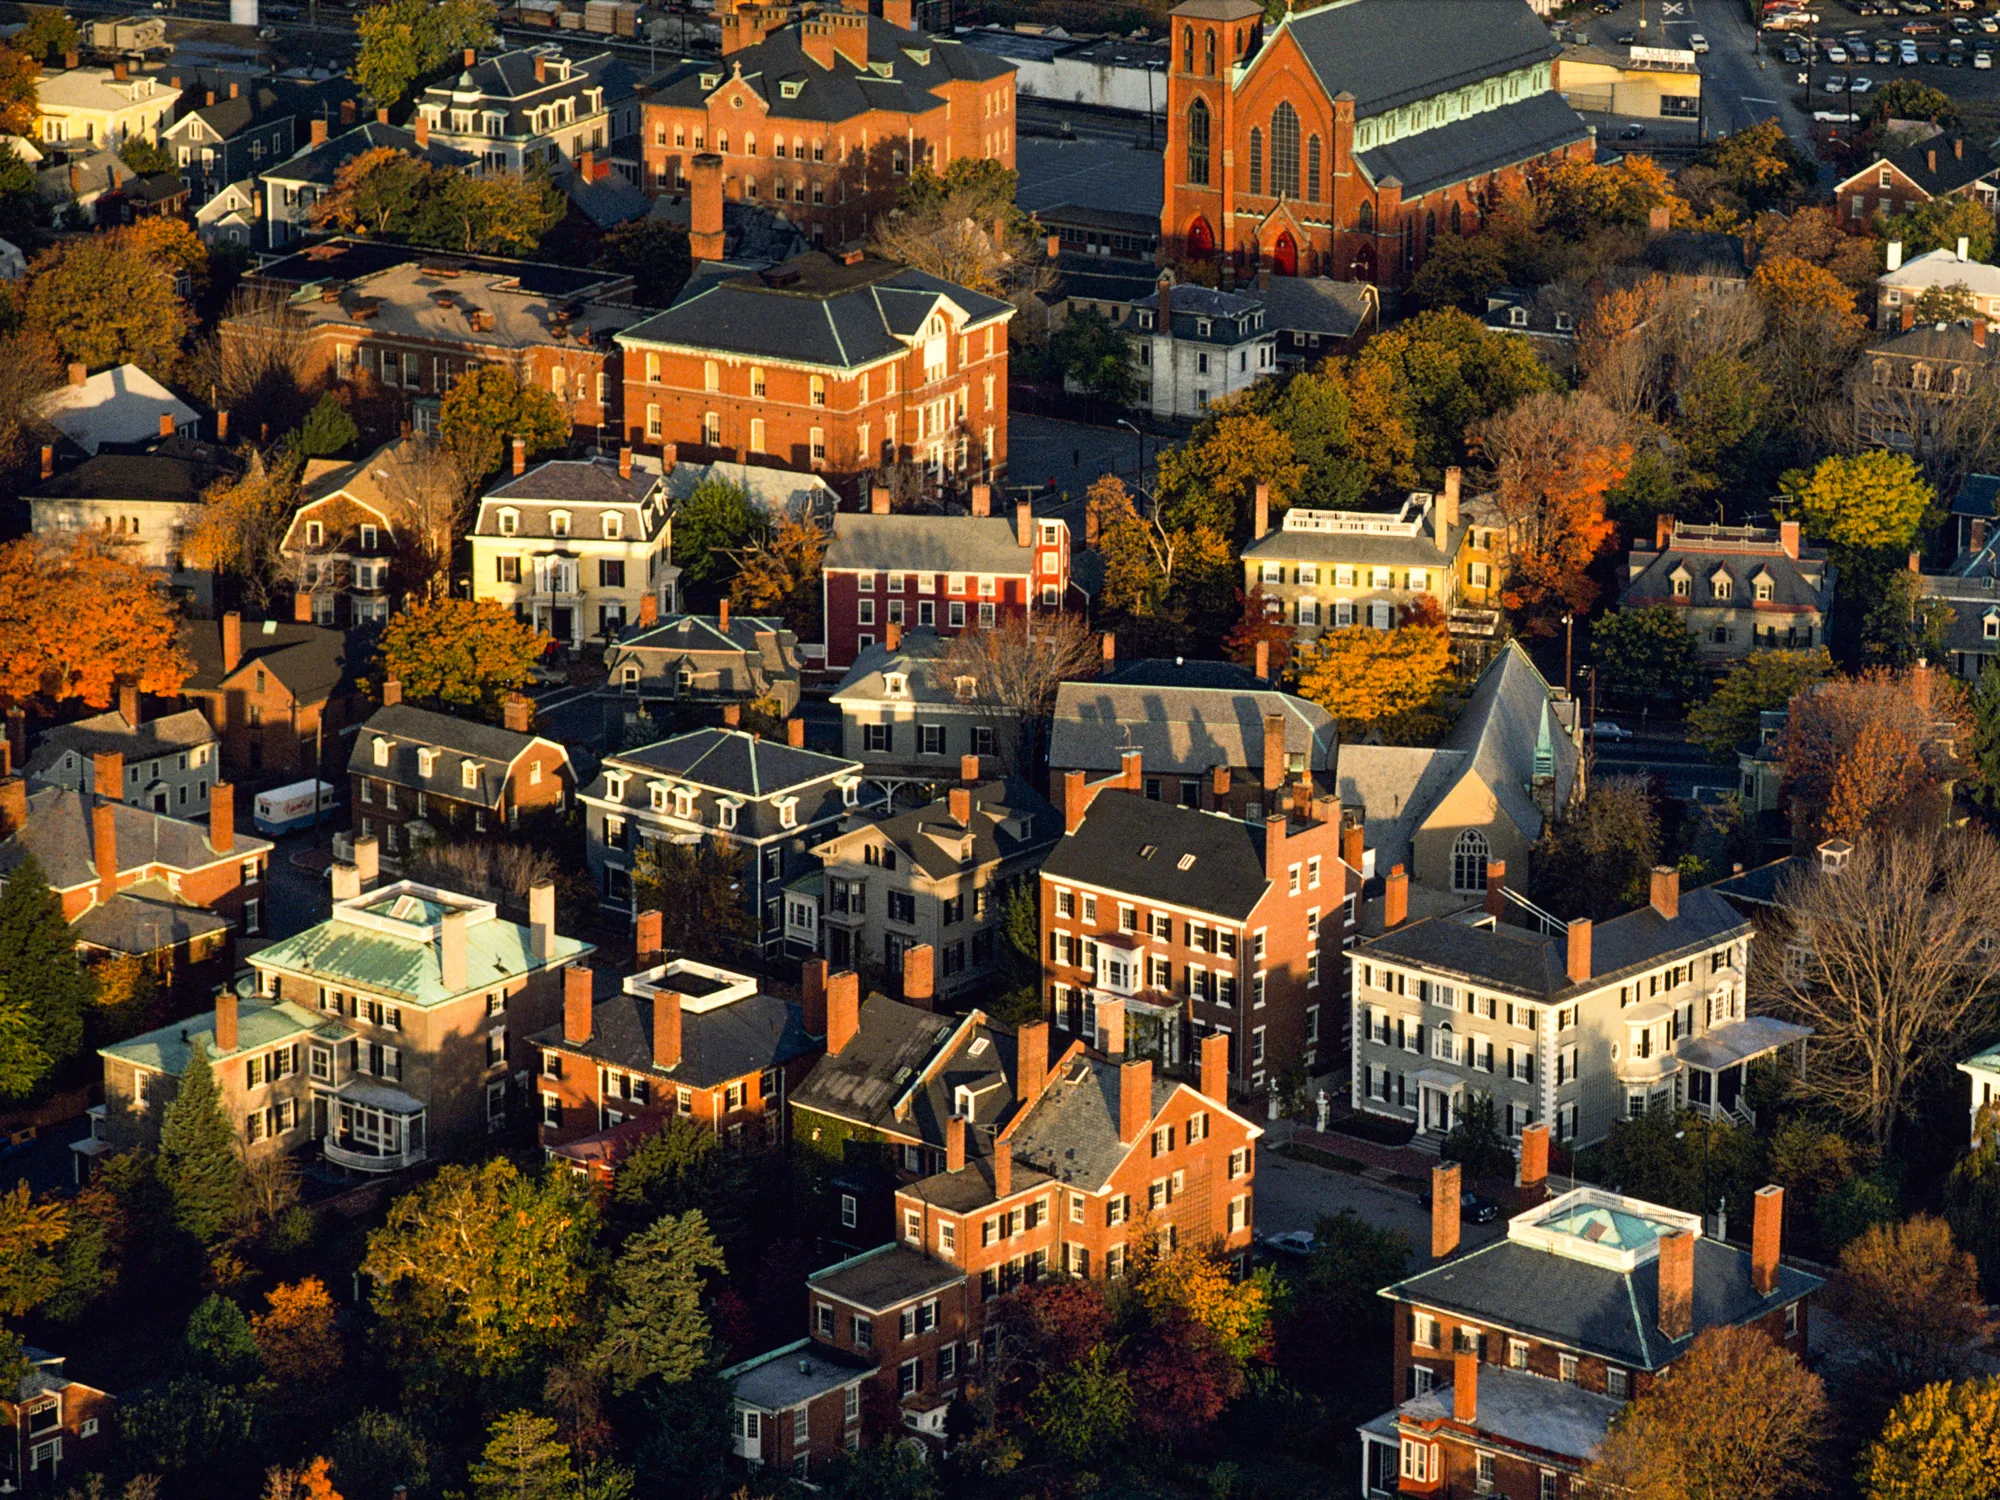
(1569, 649)
(1141, 476)
(1681, 1135)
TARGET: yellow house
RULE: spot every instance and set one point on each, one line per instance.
(103, 106)
(1648, 82)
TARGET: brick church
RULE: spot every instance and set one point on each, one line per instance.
(1346, 139)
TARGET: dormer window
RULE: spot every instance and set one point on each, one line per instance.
(614, 786)
(468, 775)
(1720, 585)
(1762, 584)
(659, 799)
(1564, 323)
(683, 802)
(1992, 625)
(381, 751)
(1683, 585)
(614, 526)
(850, 791)
(1201, 327)
(510, 522)
(967, 687)
(788, 812)
(726, 813)
(1518, 316)
(896, 685)
(368, 535)
(426, 762)
(558, 523)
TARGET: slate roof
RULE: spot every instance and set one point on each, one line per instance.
(311, 660)
(1694, 252)
(717, 1046)
(586, 488)
(916, 64)
(167, 735)
(320, 164)
(994, 804)
(119, 405)
(1969, 591)
(754, 234)
(1978, 495)
(1182, 731)
(1590, 1308)
(1508, 722)
(1361, 548)
(684, 634)
(1316, 304)
(1394, 788)
(59, 834)
(1159, 672)
(1793, 584)
(814, 310)
(259, 1024)
(885, 1277)
(1477, 145)
(1108, 850)
(791, 1376)
(893, 1044)
(409, 729)
(173, 471)
(1761, 885)
(1943, 268)
(1961, 161)
(1529, 963)
(972, 1188)
(506, 84)
(1116, 176)
(1388, 53)
(865, 542)
(382, 480)
(731, 761)
(1072, 1131)
(143, 919)
(342, 952)
(1526, 1411)
(607, 199)
(916, 658)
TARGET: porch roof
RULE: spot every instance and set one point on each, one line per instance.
(1739, 1041)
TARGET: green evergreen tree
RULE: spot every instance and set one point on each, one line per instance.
(654, 1327)
(218, 1341)
(42, 980)
(198, 1160)
(524, 1460)
(327, 429)
(1985, 788)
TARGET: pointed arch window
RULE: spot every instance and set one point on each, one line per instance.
(1430, 230)
(1256, 160)
(1468, 861)
(1285, 152)
(1208, 53)
(1197, 144)
(1312, 169)
(1364, 221)
(1456, 219)
(1187, 49)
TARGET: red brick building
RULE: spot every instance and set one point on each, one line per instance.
(1513, 1359)
(676, 1039)
(1347, 138)
(280, 694)
(1946, 165)
(834, 365)
(825, 118)
(885, 574)
(1199, 924)
(60, 1426)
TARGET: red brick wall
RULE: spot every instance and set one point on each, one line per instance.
(1014, 594)
(578, 1089)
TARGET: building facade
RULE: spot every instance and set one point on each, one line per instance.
(169, 762)
(723, 658)
(535, 106)
(342, 543)
(904, 722)
(280, 695)
(1344, 141)
(1945, 165)
(1198, 346)
(1740, 588)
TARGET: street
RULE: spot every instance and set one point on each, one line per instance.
(1735, 92)
(1296, 1195)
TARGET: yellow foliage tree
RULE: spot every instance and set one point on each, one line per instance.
(1223, 464)
(1364, 677)
(1188, 1279)
(1792, 290)
(1940, 1443)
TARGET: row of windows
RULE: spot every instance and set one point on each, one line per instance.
(1342, 576)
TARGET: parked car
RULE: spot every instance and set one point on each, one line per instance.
(1793, 57)
(1627, 39)
(1933, 56)
(1885, 54)
(1982, 59)
(1298, 1242)
(1908, 55)
(1480, 1210)
(1989, 25)
(1836, 83)
(1861, 85)
(1607, 729)
(1698, 42)
(1835, 53)
(1632, 133)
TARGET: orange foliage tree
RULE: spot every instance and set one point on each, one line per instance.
(297, 1339)
(1553, 457)
(1794, 290)
(1364, 677)
(313, 1481)
(1873, 754)
(1263, 623)
(77, 617)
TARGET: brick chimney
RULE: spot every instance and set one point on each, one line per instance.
(1218, 786)
(705, 235)
(104, 848)
(518, 713)
(107, 775)
(982, 499)
(541, 68)
(471, 59)
(1261, 524)
(732, 715)
(48, 462)
(1003, 1168)
(1979, 332)
(232, 641)
(451, 951)
(542, 919)
(649, 611)
(1031, 1061)
(722, 615)
(812, 995)
(1663, 533)
(1909, 319)
(1496, 888)
(1666, 896)
(1109, 648)
(348, 113)
(1788, 537)
(1024, 524)
(576, 1004)
(1535, 1161)
(1215, 1066)
(222, 817)
(648, 937)
(1396, 898)
(1767, 1228)
(1444, 1209)
(920, 975)
(392, 693)
(1135, 1098)
(128, 701)
(892, 636)
(878, 500)
(1132, 768)
(225, 1020)
(316, 133)
(795, 732)
(971, 770)
(1354, 846)
(954, 1143)
(1076, 800)
(368, 858)
(346, 882)
(1263, 661)
(1111, 1027)
(1579, 951)
(166, 424)
(959, 803)
(1676, 1267)
(1465, 1387)
(520, 456)
(843, 1010)
(421, 128)
(1274, 755)
(13, 805)
(1275, 827)
(302, 607)
(666, 1028)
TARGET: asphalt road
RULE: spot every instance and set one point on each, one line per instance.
(1735, 91)
(1296, 1195)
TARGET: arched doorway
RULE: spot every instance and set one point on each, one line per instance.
(1200, 239)
(1285, 255)
(1362, 268)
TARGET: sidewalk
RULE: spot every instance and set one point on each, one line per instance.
(1378, 1163)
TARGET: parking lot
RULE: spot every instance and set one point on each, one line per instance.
(1955, 51)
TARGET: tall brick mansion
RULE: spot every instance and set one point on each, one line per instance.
(1344, 141)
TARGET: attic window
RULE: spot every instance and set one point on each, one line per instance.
(977, 1048)
(1518, 316)
(1187, 862)
(1148, 851)
(426, 762)
(510, 522)
(789, 88)
(1992, 626)
(468, 775)
(558, 523)
(1719, 585)
(614, 526)
(711, 80)
(381, 751)
(967, 687)
(896, 685)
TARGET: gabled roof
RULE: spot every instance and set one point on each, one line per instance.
(684, 635)
(1938, 165)
(167, 735)
(930, 837)
(311, 660)
(59, 834)
(1388, 53)
(1943, 268)
(145, 919)
(170, 471)
(927, 544)
(322, 163)
(1182, 731)
(885, 1060)
(491, 750)
(1509, 734)
(384, 481)
(1477, 145)
(1136, 846)
(815, 310)
(119, 405)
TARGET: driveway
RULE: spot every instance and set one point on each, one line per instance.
(1296, 1194)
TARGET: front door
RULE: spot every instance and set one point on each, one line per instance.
(561, 622)
(1437, 1111)
(1285, 255)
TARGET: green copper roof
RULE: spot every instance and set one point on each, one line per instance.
(342, 953)
(1610, 1227)
(259, 1024)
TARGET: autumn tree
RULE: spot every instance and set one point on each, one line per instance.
(1461, 271)
(1908, 99)
(29, 1231)
(1763, 681)
(20, 94)
(1261, 623)
(1452, 373)
(1083, 1413)
(490, 407)
(1939, 224)
(1553, 457)
(654, 1327)
(1871, 500)
(1212, 478)
(405, 41)
(1647, 654)
(1911, 1299)
(48, 35)
(379, 192)
(1873, 753)
(498, 213)
(103, 300)
(198, 1161)
(1367, 678)
(241, 523)
(484, 1269)
(699, 891)
(1891, 964)
(310, 1481)
(1012, 671)
(1163, 572)
(1939, 1443)
(297, 1338)
(75, 618)
(462, 655)
(961, 225)
(430, 484)
(780, 576)
(1759, 165)
(1598, 861)
(1735, 1416)
(44, 988)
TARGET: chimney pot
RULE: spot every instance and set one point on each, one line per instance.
(577, 1011)
(222, 817)
(1579, 951)
(1666, 892)
(1215, 1067)
(1445, 1191)
(1676, 1269)
(1766, 1239)
(843, 1010)
(1496, 888)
